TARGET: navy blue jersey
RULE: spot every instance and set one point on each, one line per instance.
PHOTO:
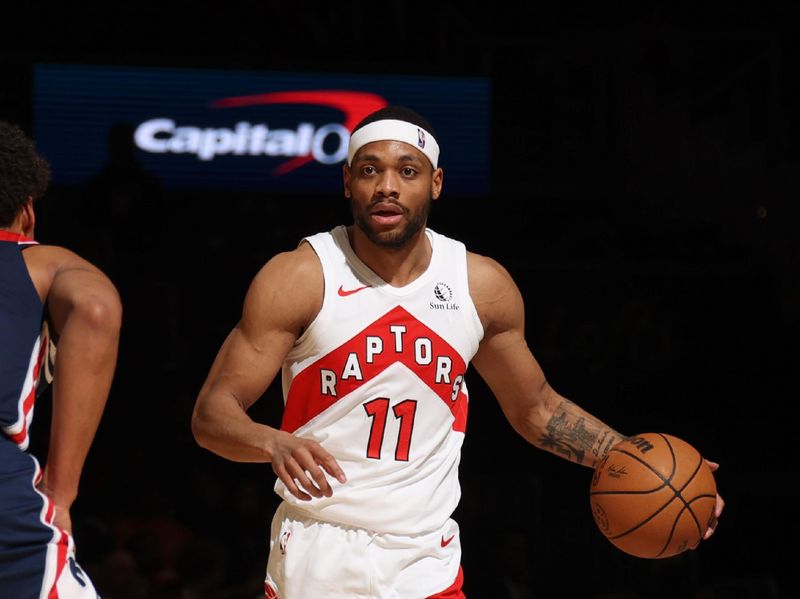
(22, 347)
(37, 558)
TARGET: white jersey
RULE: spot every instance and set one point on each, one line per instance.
(378, 380)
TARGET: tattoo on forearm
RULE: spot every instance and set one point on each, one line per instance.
(599, 444)
(571, 434)
(612, 440)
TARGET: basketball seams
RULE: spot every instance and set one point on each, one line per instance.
(694, 515)
(672, 531)
(688, 502)
(665, 527)
(694, 474)
(685, 509)
(667, 481)
(672, 454)
(643, 522)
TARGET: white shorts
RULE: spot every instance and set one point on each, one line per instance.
(72, 582)
(313, 559)
(37, 559)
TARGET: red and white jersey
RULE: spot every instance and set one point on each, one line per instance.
(378, 380)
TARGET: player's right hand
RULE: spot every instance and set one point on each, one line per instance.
(301, 465)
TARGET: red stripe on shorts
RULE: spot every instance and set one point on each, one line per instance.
(454, 590)
(61, 561)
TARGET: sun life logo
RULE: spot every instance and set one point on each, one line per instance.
(443, 292)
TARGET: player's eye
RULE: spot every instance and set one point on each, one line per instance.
(368, 170)
(408, 171)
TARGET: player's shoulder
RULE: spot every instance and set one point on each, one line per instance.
(493, 291)
(54, 253)
(64, 278)
(486, 273)
(288, 287)
(48, 261)
(296, 273)
(291, 267)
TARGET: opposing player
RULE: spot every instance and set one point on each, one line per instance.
(373, 326)
(37, 553)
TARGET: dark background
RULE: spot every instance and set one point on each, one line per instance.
(645, 185)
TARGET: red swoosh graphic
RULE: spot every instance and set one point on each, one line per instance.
(354, 105)
(446, 542)
(346, 292)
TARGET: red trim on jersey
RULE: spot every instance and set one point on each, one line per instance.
(19, 238)
(305, 399)
(51, 507)
(454, 590)
(27, 403)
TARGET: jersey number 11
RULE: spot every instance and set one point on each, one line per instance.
(378, 410)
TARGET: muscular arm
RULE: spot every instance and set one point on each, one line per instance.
(86, 313)
(535, 410)
(545, 418)
(283, 299)
(272, 318)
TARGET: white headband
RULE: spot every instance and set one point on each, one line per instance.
(394, 130)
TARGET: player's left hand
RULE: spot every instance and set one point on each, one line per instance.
(61, 516)
(720, 505)
(62, 519)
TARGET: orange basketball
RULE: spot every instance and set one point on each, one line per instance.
(653, 496)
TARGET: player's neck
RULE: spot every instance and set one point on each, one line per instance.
(22, 224)
(397, 266)
(14, 228)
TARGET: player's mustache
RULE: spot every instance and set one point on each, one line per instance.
(394, 202)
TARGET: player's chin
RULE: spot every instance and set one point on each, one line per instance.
(389, 237)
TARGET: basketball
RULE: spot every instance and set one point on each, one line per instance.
(653, 496)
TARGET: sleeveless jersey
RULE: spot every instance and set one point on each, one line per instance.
(22, 340)
(36, 557)
(378, 380)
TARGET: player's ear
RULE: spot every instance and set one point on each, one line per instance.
(28, 217)
(346, 179)
(436, 183)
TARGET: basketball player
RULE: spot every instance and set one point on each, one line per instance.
(373, 326)
(37, 554)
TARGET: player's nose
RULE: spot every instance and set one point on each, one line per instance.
(387, 184)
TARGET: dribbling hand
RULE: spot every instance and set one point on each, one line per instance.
(720, 505)
(301, 465)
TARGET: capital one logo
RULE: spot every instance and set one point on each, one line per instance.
(325, 143)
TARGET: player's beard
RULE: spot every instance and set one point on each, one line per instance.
(414, 221)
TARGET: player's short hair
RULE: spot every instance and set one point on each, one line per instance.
(23, 172)
(397, 123)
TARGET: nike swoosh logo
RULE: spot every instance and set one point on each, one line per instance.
(446, 542)
(345, 292)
